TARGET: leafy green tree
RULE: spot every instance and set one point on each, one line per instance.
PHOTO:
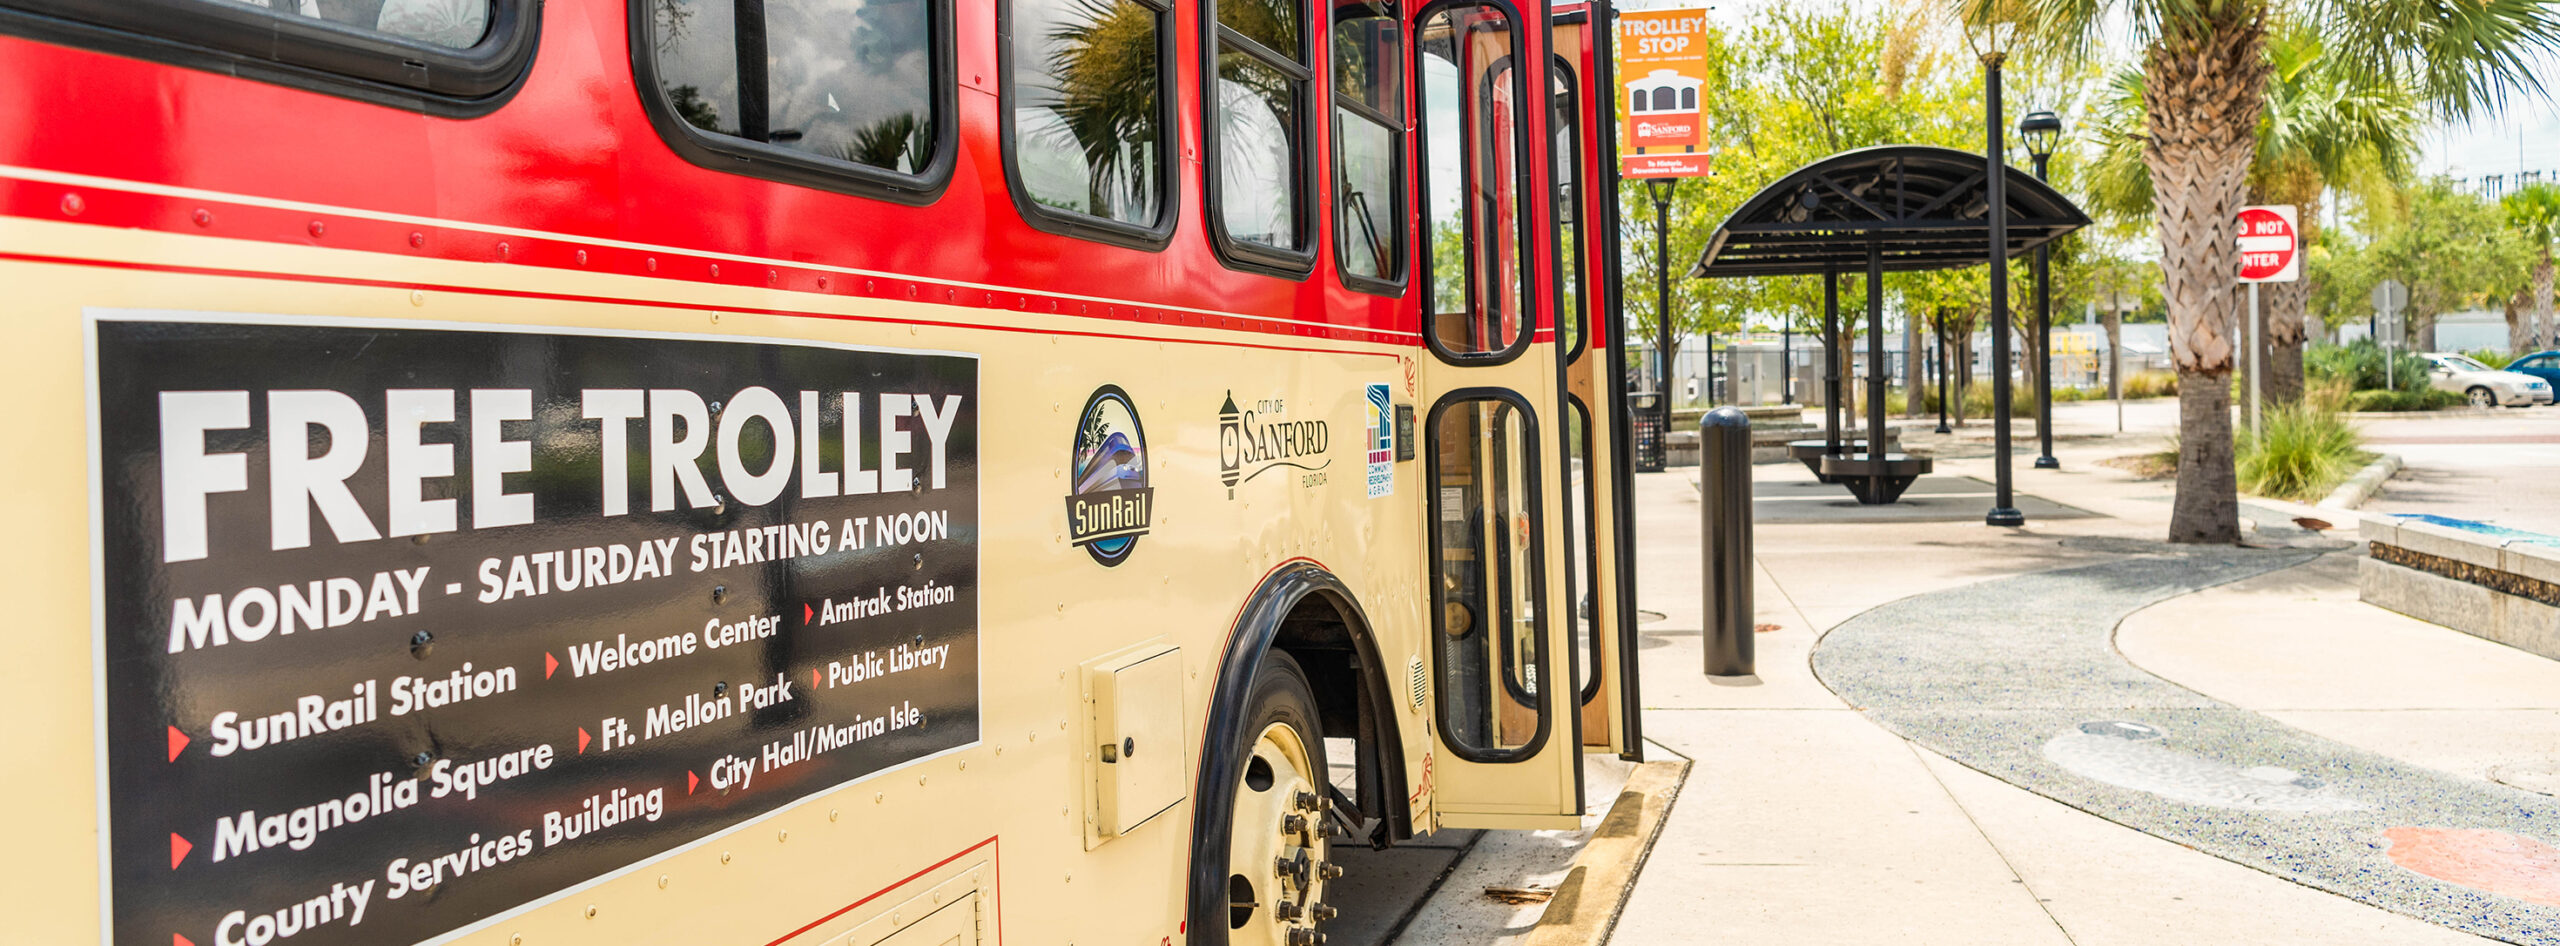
(2454, 251)
(2205, 77)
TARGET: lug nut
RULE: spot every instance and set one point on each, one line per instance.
(1329, 871)
(1323, 912)
(1303, 936)
(1293, 824)
(1307, 801)
(1285, 910)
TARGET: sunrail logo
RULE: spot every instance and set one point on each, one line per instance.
(1111, 505)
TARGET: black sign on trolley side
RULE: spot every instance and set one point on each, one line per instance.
(407, 626)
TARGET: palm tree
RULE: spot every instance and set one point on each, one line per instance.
(2535, 212)
(2325, 123)
(2321, 125)
(2205, 76)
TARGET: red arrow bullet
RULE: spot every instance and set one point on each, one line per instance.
(177, 940)
(178, 848)
(177, 743)
(806, 613)
(691, 780)
(813, 678)
(582, 740)
(549, 664)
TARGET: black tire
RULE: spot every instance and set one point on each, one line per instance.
(2481, 397)
(1280, 695)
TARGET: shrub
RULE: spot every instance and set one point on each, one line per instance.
(2491, 357)
(2300, 452)
(2151, 384)
(2424, 399)
(2360, 365)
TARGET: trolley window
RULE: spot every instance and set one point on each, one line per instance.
(1565, 133)
(1087, 116)
(463, 55)
(1474, 165)
(1367, 46)
(1256, 97)
(839, 94)
(1485, 544)
(1582, 543)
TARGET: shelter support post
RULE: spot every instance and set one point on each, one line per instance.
(1875, 364)
(1831, 361)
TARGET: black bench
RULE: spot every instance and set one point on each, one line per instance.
(1811, 452)
(1873, 487)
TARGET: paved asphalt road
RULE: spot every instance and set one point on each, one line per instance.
(2500, 466)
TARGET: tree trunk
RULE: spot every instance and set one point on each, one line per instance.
(2206, 511)
(1913, 402)
(1962, 353)
(2519, 322)
(2287, 329)
(2543, 328)
(2207, 79)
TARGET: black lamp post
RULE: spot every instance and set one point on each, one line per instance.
(1661, 188)
(2041, 129)
(1991, 34)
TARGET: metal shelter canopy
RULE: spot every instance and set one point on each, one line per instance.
(1923, 206)
(1894, 208)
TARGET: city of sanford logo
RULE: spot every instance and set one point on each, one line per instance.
(1250, 443)
(1112, 502)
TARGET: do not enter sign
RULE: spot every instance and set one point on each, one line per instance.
(2270, 244)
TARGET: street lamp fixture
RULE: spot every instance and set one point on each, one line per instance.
(2041, 129)
(1991, 28)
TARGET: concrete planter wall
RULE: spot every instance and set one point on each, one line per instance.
(2488, 586)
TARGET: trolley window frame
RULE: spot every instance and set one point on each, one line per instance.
(1544, 657)
(1401, 131)
(1084, 226)
(300, 52)
(1529, 110)
(1241, 254)
(734, 155)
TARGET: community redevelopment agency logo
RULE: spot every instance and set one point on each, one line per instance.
(1112, 503)
(1381, 441)
(1254, 442)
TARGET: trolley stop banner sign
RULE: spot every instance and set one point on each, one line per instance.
(1662, 69)
(409, 626)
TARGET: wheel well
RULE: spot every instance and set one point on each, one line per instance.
(1303, 611)
(1354, 699)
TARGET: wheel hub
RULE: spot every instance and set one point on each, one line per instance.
(1277, 846)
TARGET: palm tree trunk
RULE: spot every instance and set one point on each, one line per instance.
(2519, 322)
(2542, 324)
(2287, 328)
(2206, 78)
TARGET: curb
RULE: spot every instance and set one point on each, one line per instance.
(1593, 893)
(2364, 484)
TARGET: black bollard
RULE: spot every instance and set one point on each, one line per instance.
(1724, 490)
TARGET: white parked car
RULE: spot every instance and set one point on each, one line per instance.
(2484, 386)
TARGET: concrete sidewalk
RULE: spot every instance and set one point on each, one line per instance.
(1805, 822)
